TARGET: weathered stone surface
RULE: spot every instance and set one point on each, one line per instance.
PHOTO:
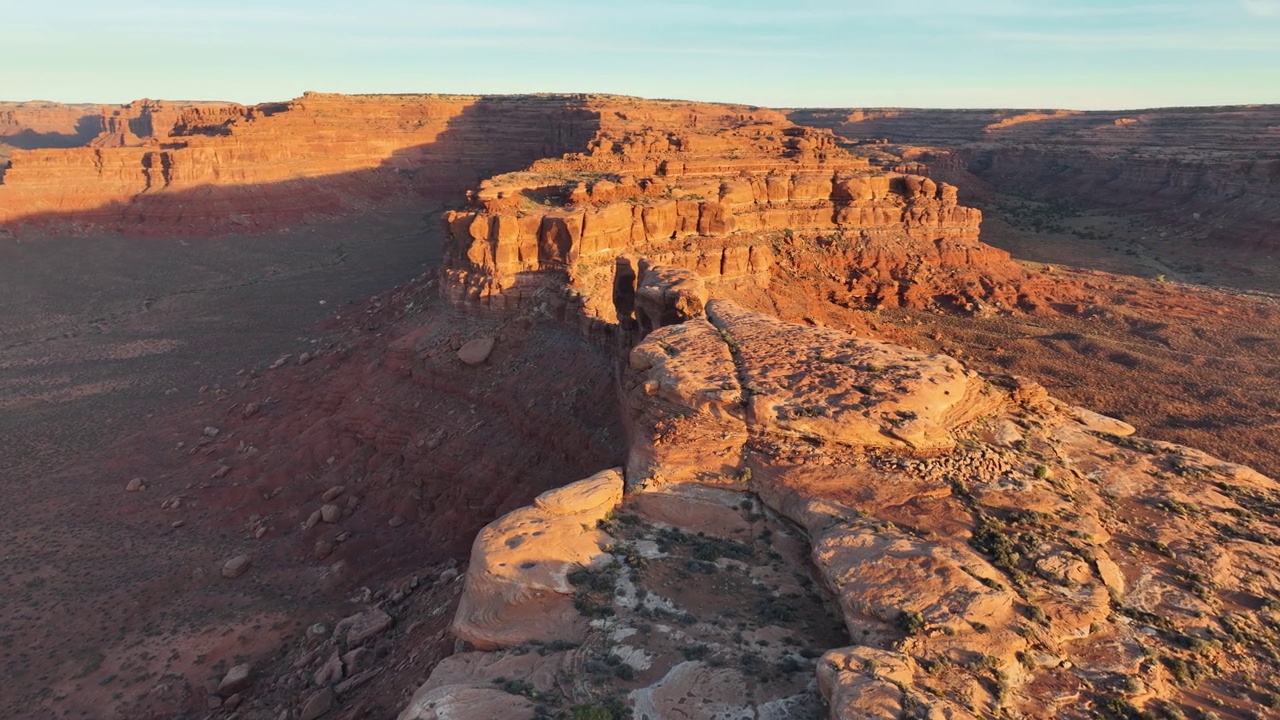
(463, 685)
(476, 351)
(467, 703)
(237, 679)
(236, 566)
(666, 296)
(990, 548)
(362, 626)
(517, 584)
(827, 385)
(684, 381)
(806, 382)
(702, 692)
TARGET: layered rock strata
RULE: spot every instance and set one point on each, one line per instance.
(29, 125)
(712, 189)
(211, 168)
(1210, 170)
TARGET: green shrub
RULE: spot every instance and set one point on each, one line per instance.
(910, 622)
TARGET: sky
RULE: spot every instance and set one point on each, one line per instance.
(1086, 54)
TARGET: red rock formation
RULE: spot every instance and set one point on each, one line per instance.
(1221, 164)
(991, 550)
(213, 168)
(44, 124)
(149, 122)
(28, 125)
(714, 189)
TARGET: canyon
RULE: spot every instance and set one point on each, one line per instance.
(1205, 178)
(675, 409)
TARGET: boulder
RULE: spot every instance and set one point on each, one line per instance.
(476, 351)
(236, 566)
(316, 705)
(237, 679)
(362, 626)
(517, 587)
(668, 295)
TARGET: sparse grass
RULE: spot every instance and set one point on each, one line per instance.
(593, 595)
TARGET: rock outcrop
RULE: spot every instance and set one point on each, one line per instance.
(991, 550)
(517, 584)
(714, 189)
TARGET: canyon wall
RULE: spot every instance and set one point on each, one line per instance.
(27, 125)
(1211, 170)
(151, 121)
(206, 168)
(1232, 199)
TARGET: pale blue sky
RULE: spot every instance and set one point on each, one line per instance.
(926, 53)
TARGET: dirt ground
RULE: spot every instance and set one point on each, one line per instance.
(93, 324)
(1179, 341)
(118, 353)
(99, 336)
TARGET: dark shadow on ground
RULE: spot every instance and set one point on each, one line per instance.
(87, 128)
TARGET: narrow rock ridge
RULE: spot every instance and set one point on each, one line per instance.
(989, 549)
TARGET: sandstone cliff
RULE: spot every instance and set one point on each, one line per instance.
(207, 168)
(1220, 164)
(720, 190)
(44, 124)
(155, 121)
(29, 125)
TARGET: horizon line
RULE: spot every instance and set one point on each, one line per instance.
(779, 108)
